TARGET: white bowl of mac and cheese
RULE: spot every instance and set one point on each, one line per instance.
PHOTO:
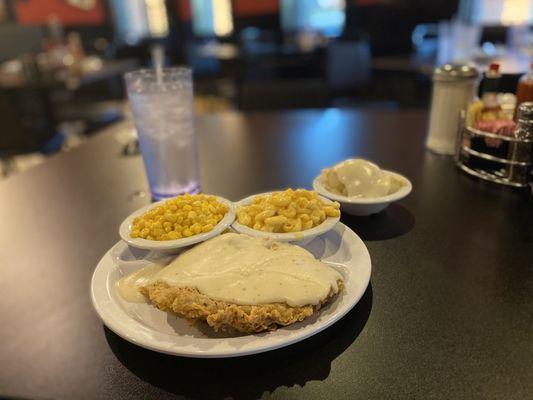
(287, 216)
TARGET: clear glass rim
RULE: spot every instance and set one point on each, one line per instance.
(186, 72)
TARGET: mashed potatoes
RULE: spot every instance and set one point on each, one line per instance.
(358, 178)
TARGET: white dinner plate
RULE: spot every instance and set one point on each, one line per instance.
(146, 326)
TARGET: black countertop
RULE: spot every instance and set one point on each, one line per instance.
(448, 313)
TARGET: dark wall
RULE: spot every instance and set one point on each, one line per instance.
(389, 26)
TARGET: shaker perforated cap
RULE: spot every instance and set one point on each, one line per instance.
(455, 72)
(525, 111)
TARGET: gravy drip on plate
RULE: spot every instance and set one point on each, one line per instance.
(128, 286)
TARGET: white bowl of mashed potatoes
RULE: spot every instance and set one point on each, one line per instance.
(361, 187)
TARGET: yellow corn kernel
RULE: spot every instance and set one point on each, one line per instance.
(207, 228)
(157, 232)
(174, 235)
(196, 228)
(187, 232)
(171, 217)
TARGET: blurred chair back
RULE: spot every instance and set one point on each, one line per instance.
(348, 65)
(16, 40)
(27, 121)
(254, 41)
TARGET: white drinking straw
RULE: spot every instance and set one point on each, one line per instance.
(157, 57)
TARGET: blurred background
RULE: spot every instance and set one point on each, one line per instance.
(62, 61)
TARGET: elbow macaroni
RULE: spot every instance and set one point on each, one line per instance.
(180, 217)
(287, 211)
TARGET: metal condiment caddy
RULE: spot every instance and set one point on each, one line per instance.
(505, 160)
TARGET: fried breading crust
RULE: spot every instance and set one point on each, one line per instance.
(220, 315)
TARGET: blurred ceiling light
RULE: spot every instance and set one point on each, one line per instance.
(223, 22)
(85, 5)
(338, 4)
(496, 12)
(156, 12)
(516, 12)
(212, 17)
(324, 16)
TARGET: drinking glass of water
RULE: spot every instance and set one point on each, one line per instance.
(162, 106)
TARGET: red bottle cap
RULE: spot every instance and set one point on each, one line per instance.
(494, 67)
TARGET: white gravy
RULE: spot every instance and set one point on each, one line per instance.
(242, 269)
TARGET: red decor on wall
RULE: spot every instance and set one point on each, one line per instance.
(246, 8)
(241, 8)
(36, 12)
(183, 8)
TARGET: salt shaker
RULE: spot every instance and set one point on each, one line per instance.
(454, 86)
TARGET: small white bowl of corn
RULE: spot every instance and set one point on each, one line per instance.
(169, 225)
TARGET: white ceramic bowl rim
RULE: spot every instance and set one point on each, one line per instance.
(404, 190)
(163, 245)
(325, 226)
